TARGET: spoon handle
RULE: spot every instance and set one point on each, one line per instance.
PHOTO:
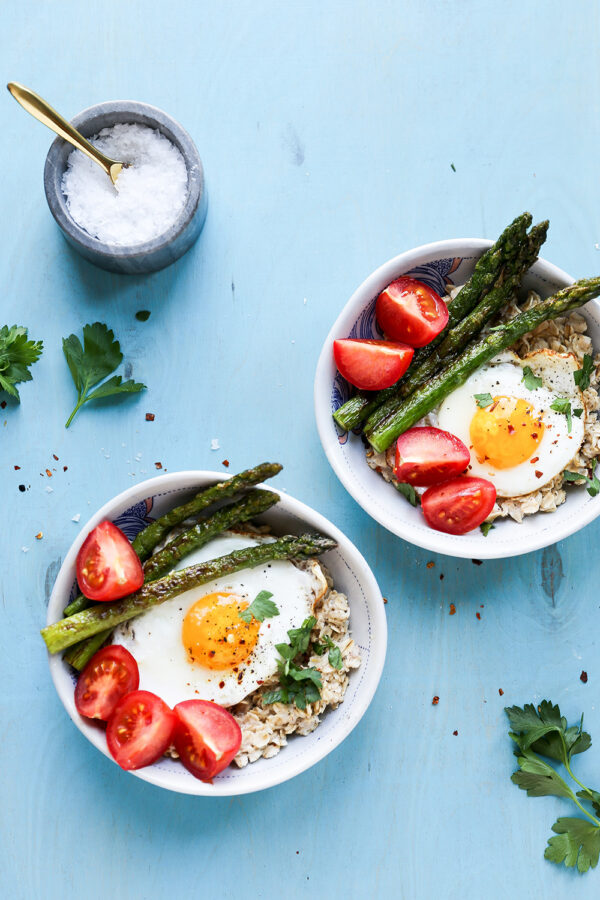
(47, 115)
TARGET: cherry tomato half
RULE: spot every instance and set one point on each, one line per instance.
(207, 737)
(107, 565)
(139, 730)
(407, 310)
(459, 505)
(371, 365)
(428, 455)
(110, 674)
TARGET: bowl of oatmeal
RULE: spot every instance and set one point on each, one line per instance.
(522, 523)
(279, 740)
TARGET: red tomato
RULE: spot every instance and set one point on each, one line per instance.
(107, 565)
(427, 456)
(410, 311)
(459, 505)
(110, 674)
(207, 737)
(371, 365)
(139, 730)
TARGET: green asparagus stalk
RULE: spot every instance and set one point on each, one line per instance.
(458, 338)
(422, 401)
(253, 504)
(64, 633)
(153, 534)
(484, 277)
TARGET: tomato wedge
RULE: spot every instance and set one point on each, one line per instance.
(426, 456)
(410, 311)
(207, 737)
(371, 365)
(107, 565)
(139, 730)
(110, 674)
(459, 505)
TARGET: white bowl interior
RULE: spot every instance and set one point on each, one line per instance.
(351, 574)
(439, 265)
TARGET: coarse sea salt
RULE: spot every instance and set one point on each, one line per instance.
(149, 195)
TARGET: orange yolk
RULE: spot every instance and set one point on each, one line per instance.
(213, 634)
(506, 433)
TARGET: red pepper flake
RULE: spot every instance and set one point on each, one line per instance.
(158, 465)
(16, 468)
(511, 429)
(39, 535)
(534, 459)
(583, 677)
(501, 692)
(430, 564)
(481, 606)
(385, 599)
(452, 609)
(477, 562)
(3, 404)
(48, 473)
(455, 733)
(441, 576)
(65, 468)
(150, 417)
(221, 684)
(534, 435)
(54, 456)
(225, 463)
(478, 614)
(435, 701)
(538, 474)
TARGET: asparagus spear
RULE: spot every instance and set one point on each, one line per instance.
(458, 338)
(64, 633)
(145, 542)
(481, 282)
(426, 398)
(254, 503)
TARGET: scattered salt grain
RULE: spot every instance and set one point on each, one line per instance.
(214, 444)
(25, 549)
(149, 195)
(49, 490)
(76, 517)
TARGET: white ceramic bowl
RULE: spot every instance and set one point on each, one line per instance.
(439, 265)
(351, 575)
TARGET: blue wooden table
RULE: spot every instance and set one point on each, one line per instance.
(334, 135)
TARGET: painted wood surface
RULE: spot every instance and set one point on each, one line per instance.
(334, 135)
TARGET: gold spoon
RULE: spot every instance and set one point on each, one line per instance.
(44, 113)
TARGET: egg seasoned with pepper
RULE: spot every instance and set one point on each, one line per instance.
(198, 646)
(523, 420)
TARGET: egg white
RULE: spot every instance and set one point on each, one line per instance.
(504, 377)
(154, 638)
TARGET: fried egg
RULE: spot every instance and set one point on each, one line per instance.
(518, 442)
(196, 646)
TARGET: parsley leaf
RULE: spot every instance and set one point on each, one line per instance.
(17, 353)
(578, 413)
(335, 654)
(296, 684)
(90, 364)
(582, 376)
(577, 843)
(483, 400)
(563, 405)
(408, 491)
(261, 608)
(593, 483)
(532, 382)
(486, 527)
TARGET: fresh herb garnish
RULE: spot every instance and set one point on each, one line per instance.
(582, 376)
(563, 405)
(483, 400)
(142, 315)
(593, 483)
(408, 491)
(335, 654)
(486, 527)
(99, 356)
(578, 413)
(296, 684)
(261, 608)
(532, 382)
(16, 355)
(544, 732)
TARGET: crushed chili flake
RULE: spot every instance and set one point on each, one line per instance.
(501, 692)
(225, 463)
(3, 404)
(534, 459)
(221, 684)
(441, 576)
(452, 609)
(534, 435)
(478, 614)
(583, 677)
(435, 701)
(430, 564)
(511, 429)
(65, 468)
(48, 473)
(54, 456)
(39, 535)
(455, 733)
(16, 468)
(477, 562)
(385, 599)
(538, 474)
(158, 465)
(150, 417)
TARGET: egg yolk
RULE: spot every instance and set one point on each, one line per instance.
(506, 433)
(214, 635)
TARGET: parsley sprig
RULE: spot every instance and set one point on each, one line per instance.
(90, 364)
(593, 483)
(17, 353)
(532, 382)
(483, 400)
(261, 608)
(335, 654)
(582, 376)
(296, 684)
(543, 732)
